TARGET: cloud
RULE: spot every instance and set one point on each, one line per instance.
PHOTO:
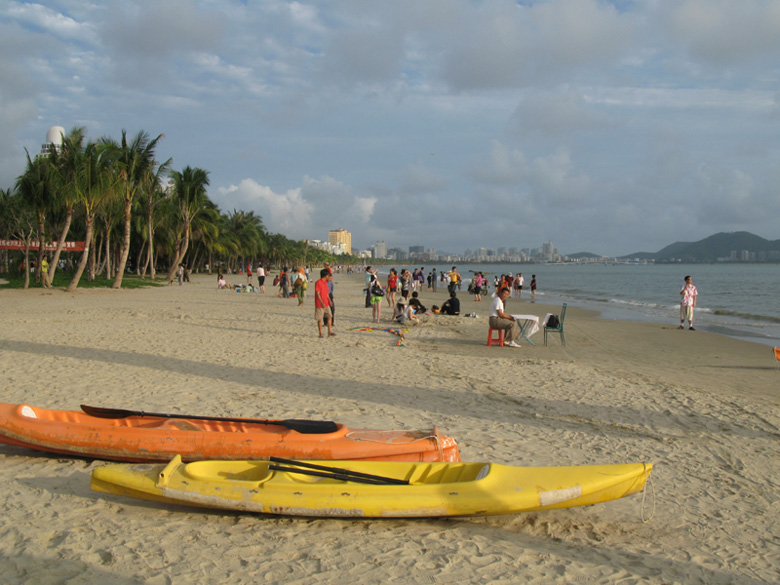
(48, 21)
(727, 32)
(419, 179)
(150, 41)
(559, 112)
(505, 44)
(286, 213)
(308, 211)
(608, 125)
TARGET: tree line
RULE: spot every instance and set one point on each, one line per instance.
(131, 209)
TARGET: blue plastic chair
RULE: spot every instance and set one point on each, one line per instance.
(558, 329)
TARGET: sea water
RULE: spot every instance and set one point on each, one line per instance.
(740, 300)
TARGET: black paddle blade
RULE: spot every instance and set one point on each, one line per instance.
(305, 427)
(99, 412)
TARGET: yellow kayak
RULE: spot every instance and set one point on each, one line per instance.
(371, 489)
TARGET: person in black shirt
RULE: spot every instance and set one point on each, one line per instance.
(451, 306)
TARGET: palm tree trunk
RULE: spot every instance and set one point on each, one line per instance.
(139, 259)
(150, 258)
(180, 256)
(107, 251)
(90, 220)
(60, 243)
(94, 255)
(120, 268)
(39, 277)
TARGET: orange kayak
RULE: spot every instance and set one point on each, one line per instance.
(154, 438)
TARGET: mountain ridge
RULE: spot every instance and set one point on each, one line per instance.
(732, 246)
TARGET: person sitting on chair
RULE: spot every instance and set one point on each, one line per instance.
(500, 320)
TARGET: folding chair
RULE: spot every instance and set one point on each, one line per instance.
(558, 329)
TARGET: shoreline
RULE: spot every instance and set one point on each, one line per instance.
(632, 293)
(702, 407)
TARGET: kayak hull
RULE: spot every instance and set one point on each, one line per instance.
(149, 438)
(434, 490)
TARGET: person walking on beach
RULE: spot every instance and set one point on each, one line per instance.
(533, 287)
(479, 280)
(392, 287)
(688, 297)
(375, 297)
(406, 283)
(501, 320)
(261, 278)
(332, 319)
(369, 276)
(454, 280)
(300, 285)
(322, 301)
(433, 280)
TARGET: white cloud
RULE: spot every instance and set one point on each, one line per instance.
(49, 21)
(727, 32)
(286, 212)
(418, 121)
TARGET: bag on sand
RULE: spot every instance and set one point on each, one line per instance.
(553, 322)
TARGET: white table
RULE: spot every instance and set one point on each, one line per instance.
(529, 324)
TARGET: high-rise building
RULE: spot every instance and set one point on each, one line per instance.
(380, 250)
(342, 238)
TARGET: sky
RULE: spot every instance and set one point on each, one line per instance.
(610, 127)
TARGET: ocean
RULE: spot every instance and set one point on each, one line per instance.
(739, 300)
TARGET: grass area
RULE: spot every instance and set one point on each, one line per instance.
(62, 280)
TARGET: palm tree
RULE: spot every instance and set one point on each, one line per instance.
(249, 231)
(189, 192)
(135, 160)
(111, 215)
(65, 196)
(151, 195)
(20, 217)
(35, 187)
(5, 221)
(93, 181)
(205, 231)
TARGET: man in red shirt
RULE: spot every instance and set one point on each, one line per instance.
(322, 301)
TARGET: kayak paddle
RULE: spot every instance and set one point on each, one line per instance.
(334, 471)
(306, 427)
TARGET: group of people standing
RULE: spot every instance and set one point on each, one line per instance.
(479, 285)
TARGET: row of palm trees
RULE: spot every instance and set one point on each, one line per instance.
(97, 189)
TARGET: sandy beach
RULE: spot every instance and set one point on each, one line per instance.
(703, 408)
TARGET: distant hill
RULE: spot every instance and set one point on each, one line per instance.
(580, 255)
(716, 247)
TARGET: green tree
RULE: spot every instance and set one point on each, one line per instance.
(249, 233)
(63, 163)
(35, 187)
(19, 216)
(189, 194)
(151, 196)
(93, 181)
(136, 162)
(205, 232)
